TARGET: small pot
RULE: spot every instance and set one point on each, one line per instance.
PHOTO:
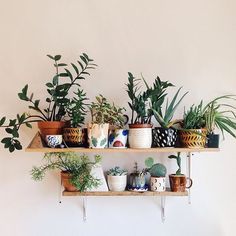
(193, 138)
(158, 184)
(98, 135)
(164, 137)
(140, 135)
(118, 138)
(65, 180)
(117, 183)
(50, 128)
(213, 140)
(137, 182)
(75, 137)
(178, 183)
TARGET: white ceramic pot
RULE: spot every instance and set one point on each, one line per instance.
(118, 138)
(140, 137)
(158, 184)
(117, 183)
(98, 135)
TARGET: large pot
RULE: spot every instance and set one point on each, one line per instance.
(50, 128)
(117, 183)
(118, 138)
(164, 137)
(98, 135)
(140, 135)
(178, 183)
(193, 138)
(65, 180)
(75, 137)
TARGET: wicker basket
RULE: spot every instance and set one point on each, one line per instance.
(193, 138)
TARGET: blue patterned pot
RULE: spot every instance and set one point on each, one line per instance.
(118, 138)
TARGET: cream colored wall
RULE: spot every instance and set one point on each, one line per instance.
(190, 43)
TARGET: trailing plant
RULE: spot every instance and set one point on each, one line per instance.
(178, 160)
(78, 166)
(142, 102)
(57, 101)
(155, 170)
(165, 118)
(104, 112)
(117, 171)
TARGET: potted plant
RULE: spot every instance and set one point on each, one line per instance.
(75, 170)
(117, 179)
(50, 119)
(140, 128)
(74, 135)
(158, 173)
(166, 134)
(220, 113)
(178, 180)
(137, 180)
(103, 114)
(193, 127)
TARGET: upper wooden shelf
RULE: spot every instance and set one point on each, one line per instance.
(37, 145)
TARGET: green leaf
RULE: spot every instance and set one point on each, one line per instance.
(75, 68)
(18, 145)
(55, 80)
(48, 100)
(84, 59)
(81, 65)
(2, 121)
(63, 75)
(103, 142)
(57, 57)
(6, 140)
(61, 64)
(12, 122)
(28, 125)
(94, 142)
(12, 148)
(51, 57)
(9, 130)
(149, 162)
(49, 85)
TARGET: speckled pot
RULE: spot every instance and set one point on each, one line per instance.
(164, 137)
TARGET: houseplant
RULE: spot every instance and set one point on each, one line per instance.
(50, 119)
(141, 104)
(103, 114)
(158, 173)
(166, 134)
(75, 170)
(74, 135)
(137, 180)
(117, 179)
(178, 180)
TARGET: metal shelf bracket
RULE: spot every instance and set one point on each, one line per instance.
(163, 202)
(188, 165)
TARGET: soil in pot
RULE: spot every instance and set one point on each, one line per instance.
(178, 183)
(164, 137)
(75, 137)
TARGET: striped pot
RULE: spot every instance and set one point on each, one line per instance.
(75, 137)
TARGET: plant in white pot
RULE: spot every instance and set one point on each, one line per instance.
(158, 173)
(117, 179)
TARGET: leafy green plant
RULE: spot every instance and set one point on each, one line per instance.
(78, 166)
(57, 101)
(178, 160)
(104, 112)
(155, 170)
(165, 119)
(142, 102)
(117, 171)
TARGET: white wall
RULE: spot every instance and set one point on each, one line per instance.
(190, 43)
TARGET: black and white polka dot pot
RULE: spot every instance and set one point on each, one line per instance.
(164, 137)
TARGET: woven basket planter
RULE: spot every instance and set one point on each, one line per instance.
(75, 137)
(193, 138)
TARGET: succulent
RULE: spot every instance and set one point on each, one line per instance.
(178, 160)
(117, 171)
(155, 170)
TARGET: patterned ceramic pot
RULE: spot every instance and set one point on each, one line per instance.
(75, 137)
(140, 135)
(117, 183)
(98, 135)
(53, 140)
(137, 182)
(158, 184)
(164, 137)
(118, 138)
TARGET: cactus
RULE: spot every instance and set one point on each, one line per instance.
(155, 170)
(178, 159)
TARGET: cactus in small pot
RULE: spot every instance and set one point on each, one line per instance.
(117, 179)
(158, 173)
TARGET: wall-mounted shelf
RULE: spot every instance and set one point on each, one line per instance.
(37, 145)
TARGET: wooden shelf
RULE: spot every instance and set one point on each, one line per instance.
(37, 145)
(125, 193)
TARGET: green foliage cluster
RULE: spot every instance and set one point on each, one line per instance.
(117, 171)
(104, 112)
(79, 168)
(178, 160)
(155, 170)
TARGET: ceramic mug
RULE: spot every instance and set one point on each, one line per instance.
(158, 184)
(53, 140)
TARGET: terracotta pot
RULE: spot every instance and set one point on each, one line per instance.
(65, 180)
(140, 135)
(50, 128)
(178, 183)
(193, 138)
(75, 137)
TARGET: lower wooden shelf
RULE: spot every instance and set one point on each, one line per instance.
(125, 193)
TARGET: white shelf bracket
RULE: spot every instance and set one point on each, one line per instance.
(84, 199)
(188, 165)
(60, 191)
(163, 202)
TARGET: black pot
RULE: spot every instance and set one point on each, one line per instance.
(164, 137)
(213, 140)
